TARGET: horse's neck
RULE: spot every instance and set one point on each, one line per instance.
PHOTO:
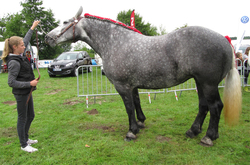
(98, 35)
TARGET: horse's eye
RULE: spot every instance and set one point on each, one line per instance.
(65, 22)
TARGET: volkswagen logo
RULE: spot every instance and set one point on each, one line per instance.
(244, 19)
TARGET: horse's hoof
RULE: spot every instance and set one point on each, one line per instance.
(141, 124)
(190, 134)
(127, 139)
(130, 136)
(206, 141)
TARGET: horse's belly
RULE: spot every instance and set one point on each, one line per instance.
(161, 82)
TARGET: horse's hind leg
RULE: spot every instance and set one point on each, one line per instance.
(140, 116)
(196, 127)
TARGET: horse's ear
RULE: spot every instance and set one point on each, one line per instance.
(79, 13)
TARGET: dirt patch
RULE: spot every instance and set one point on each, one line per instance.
(92, 112)
(8, 132)
(9, 102)
(163, 139)
(73, 102)
(55, 91)
(107, 128)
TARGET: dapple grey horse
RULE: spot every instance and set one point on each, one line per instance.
(132, 60)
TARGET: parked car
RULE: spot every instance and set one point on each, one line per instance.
(68, 62)
(98, 60)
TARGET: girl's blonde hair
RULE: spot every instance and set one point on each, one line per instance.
(8, 46)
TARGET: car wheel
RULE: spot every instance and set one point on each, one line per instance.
(90, 69)
(103, 72)
(75, 73)
(52, 75)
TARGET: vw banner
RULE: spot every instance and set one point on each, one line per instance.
(244, 22)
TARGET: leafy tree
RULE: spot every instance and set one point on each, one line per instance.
(13, 27)
(162, 30)
(32, 10)
(2, 27)
(185, 25)
(19, 24)
(146, 29)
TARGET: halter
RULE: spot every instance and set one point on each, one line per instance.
(74, 23)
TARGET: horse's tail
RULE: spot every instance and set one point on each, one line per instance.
(232, 95)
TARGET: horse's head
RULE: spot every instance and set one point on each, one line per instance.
(69, 32)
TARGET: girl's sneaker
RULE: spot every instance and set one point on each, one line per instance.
(29, 149)
(29, 142)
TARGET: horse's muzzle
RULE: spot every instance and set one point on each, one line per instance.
(50, 40)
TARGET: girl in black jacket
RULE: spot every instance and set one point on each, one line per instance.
(21, 78)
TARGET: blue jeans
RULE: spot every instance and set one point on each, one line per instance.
(25, 117)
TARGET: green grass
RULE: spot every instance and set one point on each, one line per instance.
(63, 128)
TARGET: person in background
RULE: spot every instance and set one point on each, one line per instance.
(21, 78)
(246, 71)
(30, 59)
(239, 61)
(28, 55)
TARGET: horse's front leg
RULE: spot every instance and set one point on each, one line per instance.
(140, 116)
(127, 96)
(196, 127)
(203, 110)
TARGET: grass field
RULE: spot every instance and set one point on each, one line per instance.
(70, 133)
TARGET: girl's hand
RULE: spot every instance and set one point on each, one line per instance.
(35, 23)
(34, 82)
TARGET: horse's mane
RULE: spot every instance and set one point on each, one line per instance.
(86, 15)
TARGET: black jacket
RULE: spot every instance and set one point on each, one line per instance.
(25, 74)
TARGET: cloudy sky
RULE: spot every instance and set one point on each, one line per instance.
(222, 16)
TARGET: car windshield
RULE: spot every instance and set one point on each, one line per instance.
(67, 56)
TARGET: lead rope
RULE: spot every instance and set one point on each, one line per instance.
(45, 32)
(36, 68)
(42, 30)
